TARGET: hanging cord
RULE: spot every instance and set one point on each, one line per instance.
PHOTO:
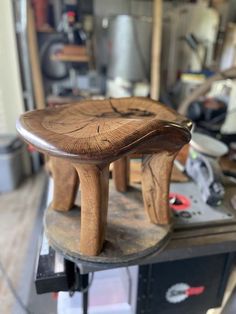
(12, 289)
(130, 284)
(74, 288)
(89, 284)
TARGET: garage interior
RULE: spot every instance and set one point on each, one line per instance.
(118, 157)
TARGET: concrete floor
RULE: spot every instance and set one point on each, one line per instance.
(41, 304)
(19, 212)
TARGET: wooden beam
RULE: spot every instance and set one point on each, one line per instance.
(156, 49)
(34, 60)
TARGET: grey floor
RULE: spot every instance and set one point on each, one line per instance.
(36, 304)
(230, 307)
(41, 304)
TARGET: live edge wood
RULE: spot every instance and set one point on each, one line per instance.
(156, 172)
(98, 131)
(84, 138)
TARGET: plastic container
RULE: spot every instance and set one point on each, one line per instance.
(11, 162)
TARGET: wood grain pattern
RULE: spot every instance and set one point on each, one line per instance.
(121, 174)
(156, 49)
(88, 136)
(156, 172)
(66, 182)
(101, 130)
(94, 180)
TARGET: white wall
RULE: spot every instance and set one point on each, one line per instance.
(11, 98)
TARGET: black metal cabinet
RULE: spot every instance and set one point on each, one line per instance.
(189, 286)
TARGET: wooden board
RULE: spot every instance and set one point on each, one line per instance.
(156, 49)
(129, 234)
(70, 58)
(72, 53)
(34, 59)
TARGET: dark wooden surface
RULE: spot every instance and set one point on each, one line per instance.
(104, 130)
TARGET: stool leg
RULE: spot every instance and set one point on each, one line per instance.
(156, 172)
(94, 182)
(121, 174)
(66, 183)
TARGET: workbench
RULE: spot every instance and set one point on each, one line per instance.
(186, 244)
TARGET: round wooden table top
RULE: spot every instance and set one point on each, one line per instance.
(100, 130)
(129, 237)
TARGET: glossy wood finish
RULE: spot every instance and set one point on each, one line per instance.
(87, 136)
(100, 130)
(94, 181)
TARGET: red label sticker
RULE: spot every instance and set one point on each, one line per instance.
(179, 201)
(195, 290)
(181, 291)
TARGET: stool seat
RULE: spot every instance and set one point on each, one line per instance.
(101, 130)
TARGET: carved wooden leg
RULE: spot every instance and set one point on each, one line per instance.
(121, 172)
(94, 180)
(66, 182)
(156, 172)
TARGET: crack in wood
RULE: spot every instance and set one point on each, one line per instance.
(78, 129)
(132, 112)
(153, 176)
(106, 140)
(142, 113)
(114, 108)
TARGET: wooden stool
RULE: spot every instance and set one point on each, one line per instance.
(84, 138)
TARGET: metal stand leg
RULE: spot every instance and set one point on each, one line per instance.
(84, 292)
